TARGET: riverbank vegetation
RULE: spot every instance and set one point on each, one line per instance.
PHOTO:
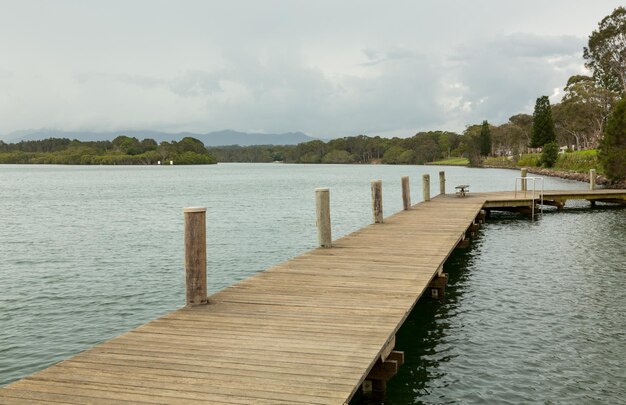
(421, 148)
(575, 161)
(122, 150)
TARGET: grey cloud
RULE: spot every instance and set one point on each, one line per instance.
(376, 57)
(320, 67)
(144, 82)
(5, 73)
(506, 75)
(195, 83)
(524, 45)
(537, 46)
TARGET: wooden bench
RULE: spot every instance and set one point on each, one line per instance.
(462, 189)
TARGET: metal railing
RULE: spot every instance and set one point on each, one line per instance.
(524, 188)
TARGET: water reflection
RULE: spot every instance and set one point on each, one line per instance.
(533, 314)
(426, 340)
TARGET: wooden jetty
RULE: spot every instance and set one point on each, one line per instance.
(313, 330)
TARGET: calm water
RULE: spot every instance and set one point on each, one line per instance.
(535, 311)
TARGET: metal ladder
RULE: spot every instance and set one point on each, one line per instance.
(524, 188)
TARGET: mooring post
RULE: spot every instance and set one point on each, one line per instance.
(377, 201)
(322, 205)
(524, 174)
(195, 255)
(592, 179)
(406, 193)
(426, 186)
(442, 182)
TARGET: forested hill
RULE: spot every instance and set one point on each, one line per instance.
(226, 137)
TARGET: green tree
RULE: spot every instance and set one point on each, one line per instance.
(407, 157)
(543, 127)
(127, 145)
(393, 154)
(470, 144)
(605, 54)
(485, 139)
(613, 146)
(337, 156)
(550, 154)
(581, 115)
(189, 144)
(508, 140)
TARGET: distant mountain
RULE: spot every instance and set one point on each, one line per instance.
(218, 138)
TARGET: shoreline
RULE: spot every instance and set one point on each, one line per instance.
(567, 175)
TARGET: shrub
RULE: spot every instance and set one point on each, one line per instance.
(550, 154)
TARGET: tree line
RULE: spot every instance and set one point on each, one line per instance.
(421, 148)
(123, 150)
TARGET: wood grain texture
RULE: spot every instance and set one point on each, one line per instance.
(322, 207)
(195, 255)
(377, 201)
(406, 193)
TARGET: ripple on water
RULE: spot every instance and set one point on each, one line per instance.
(534, 311)
(534, 314)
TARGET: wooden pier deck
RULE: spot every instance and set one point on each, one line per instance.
(307, 331)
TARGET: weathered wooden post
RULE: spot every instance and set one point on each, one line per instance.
(322, 205)
(377, 201)
(524, 173)
(406, 193)
(195, 255)
(426, 186)
(592, 179)
(442, 182)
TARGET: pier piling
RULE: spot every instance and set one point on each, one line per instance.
(524, 174)
(195, 255)
(442, 182)
(406, 193)
(592, 179)
(377, 201)
(322, 204)
(426, 186)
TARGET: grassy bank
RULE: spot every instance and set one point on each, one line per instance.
(577, 161)
(453, 161)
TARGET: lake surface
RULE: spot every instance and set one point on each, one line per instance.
(534, 312)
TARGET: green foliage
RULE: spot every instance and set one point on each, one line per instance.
(311, 157)
(122, 150)
(337, 156)
(453, 161)
(499, 161)
(407, 157)
(579, 161)
(421, 148)
(543, 127)
(613, 146)
(605, 54)
(529, 160)
(549, 154)
(194, 158)
(470, 144)
(485, 139)
(392, 155)
(580, 117)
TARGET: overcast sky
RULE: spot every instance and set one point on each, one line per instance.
(327, 68)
